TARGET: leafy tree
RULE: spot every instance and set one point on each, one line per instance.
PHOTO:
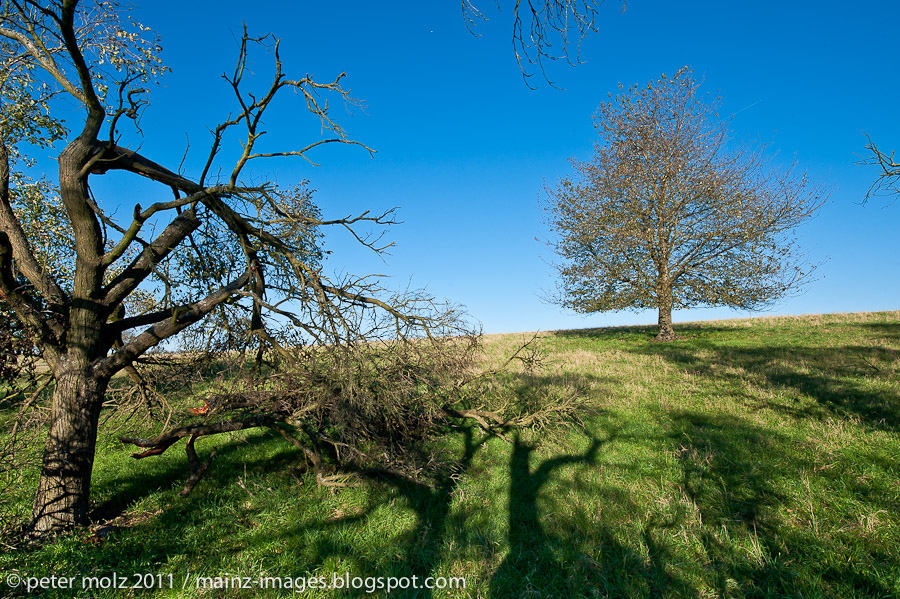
(667, 214)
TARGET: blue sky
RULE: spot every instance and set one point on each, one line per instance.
(464, 147)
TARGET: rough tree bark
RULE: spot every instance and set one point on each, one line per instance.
(61, 500)
(665, 332)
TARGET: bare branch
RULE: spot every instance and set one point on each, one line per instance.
(161, 443)
(888, 182)
(539, 24)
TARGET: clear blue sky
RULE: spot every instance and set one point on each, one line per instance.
(464, 146)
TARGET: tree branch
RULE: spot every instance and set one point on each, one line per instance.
(143, 264)
(25, 260)
(163, 330)
(889, 178)
(161, 443)
(30, 313)
(115, 157)
(140, 217)
(96, 113)
(45, 59)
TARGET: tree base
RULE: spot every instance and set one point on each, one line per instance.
(666, 338)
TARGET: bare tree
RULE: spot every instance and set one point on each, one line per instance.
(235, 262)
(228, 272)
(667, 214)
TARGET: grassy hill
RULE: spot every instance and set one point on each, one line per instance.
(751, 458)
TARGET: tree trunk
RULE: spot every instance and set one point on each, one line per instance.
(666, 332)
(63, 494)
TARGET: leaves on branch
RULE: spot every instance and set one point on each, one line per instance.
(669, 213)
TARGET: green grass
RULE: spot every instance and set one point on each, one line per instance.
(751, 458)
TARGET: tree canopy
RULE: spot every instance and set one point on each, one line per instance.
(670, 213)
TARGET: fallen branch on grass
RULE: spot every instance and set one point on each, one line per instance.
(162, 442)
(368, 408)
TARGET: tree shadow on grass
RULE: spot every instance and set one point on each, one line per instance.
(129, 486)
(530, 567)
(851, 381)
(641, 332)
(888, 330)
(441, 520)
(743, 479)
(432, 504)
(417, 553)
(582, 557)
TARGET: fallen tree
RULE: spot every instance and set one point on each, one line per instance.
(369, 407)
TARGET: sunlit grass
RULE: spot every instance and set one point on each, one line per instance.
(751, 458)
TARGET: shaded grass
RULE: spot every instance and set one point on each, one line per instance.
(752, 458)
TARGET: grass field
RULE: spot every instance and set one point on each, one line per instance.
(751, 458)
